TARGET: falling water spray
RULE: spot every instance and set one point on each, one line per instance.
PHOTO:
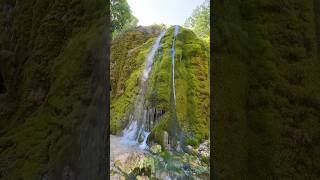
(136, 128)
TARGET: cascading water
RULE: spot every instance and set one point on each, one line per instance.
(176, 31)
(129, 134)
(144, 145)
(136, 129)
(147, 111)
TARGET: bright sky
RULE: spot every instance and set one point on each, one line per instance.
(169, 12)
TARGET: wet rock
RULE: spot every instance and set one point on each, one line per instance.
(194, 167)
(117, 177)
(165, 139)
(133, 164)
(128, 161)
(191, 160)
(191, 150)
(165, 176)
(142, 178)
(204, 149)
(142, 172)
(156, 149)
(178, 148)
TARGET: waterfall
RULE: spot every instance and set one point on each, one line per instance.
(144, 145)
(151, 55)
(136, 128)
(129, 133)
(176, 31)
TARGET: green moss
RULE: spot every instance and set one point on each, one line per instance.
(121, 105)
(258, 63)
(191, 114)
(45, 135)
(157, 132)
(192, 85)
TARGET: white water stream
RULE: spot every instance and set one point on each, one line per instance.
(176, 31)
(136, 130)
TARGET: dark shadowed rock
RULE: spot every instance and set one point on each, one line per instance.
(53, 117)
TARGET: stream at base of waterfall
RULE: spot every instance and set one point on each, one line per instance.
(129, 161)
(130, 155)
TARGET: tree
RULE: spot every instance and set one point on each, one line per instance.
(199, 22)
(121, 16)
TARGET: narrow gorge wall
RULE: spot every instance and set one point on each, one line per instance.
(266, 89)
(53, 114)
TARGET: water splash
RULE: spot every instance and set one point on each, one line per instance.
(144, 145)
(129, 133)
(176, 32)
(136, 128)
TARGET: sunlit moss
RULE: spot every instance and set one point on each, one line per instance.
(192, 87)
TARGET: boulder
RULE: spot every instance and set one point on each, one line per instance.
(165, 139)
(204, 149)
(191, 150)
(133, 164)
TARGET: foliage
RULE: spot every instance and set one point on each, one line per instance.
(199, 22)
(121, 17)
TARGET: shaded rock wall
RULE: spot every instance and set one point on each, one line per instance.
(266, 89)
(53, 116)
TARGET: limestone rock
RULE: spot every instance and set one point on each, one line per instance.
(134, 164)
(191, 150)
(128, 161)
(204, 149)
(165, 139)
(117, 177)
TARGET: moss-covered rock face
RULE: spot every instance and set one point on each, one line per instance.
(190, 116)
(267, 89)
(53, 65)
(128, 55)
